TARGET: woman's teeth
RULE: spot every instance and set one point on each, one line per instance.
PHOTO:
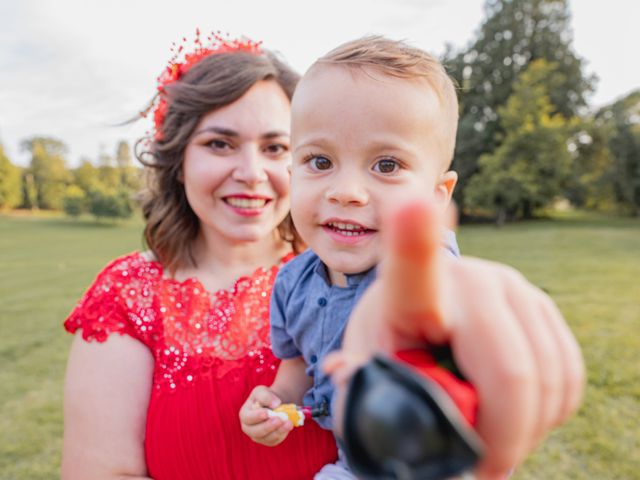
(246, 202)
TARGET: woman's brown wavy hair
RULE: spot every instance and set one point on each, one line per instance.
(214, 82)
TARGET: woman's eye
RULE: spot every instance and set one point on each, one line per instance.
(386, 166)
(277, 149)
(320, 163)
(219, 145)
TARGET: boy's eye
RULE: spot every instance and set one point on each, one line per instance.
(386, 165)
(320, 163)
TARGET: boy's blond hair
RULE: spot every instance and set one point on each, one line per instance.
(398, 59)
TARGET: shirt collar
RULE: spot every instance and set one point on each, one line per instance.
(353, 279)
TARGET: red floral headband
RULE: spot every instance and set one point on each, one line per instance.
(180, 63)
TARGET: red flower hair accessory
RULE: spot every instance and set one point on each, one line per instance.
(180, 63)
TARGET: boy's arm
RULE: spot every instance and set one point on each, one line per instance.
(291, 381)
(289, 385)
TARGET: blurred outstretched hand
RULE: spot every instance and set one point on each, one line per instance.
(507, 336)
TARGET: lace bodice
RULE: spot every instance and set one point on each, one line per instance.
(190, 331)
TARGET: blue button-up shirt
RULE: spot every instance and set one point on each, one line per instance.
(309, 315)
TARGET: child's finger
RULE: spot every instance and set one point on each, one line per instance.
(273, 432)
(260, 431)
(570, 362)
(262, 396)
(333, 361)
(504, 372)
(526, 305)
(253, 416)
(340, 366)
(411, 274)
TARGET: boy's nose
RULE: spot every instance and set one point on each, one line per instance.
(347, 191)
(250, 167)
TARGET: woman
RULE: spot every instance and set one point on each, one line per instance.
(161, 398)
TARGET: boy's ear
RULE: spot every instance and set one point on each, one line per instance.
(445, 186)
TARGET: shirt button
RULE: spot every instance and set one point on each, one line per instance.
(313, 359)
(322, 301)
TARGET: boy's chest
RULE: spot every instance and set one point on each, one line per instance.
(321, 320)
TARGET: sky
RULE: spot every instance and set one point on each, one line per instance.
(74, 69)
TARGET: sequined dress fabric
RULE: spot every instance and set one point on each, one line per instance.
(209, 351)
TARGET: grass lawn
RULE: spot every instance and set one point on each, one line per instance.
(589, 264)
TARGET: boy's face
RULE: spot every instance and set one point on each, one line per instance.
(362, 143)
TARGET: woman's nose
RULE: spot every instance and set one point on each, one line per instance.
(250, 168)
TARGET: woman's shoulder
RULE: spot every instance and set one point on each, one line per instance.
(132, 267)
(120, 290)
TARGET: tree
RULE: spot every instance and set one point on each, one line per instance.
(85, 176)
(532, 165)
(589, 185)
(75, 201)
(619, 124)
(112, 205)
(29, 193)
(606, 173)
(48, 170)
(514, 34)
(129, 174)
(10, 182)
(108, 173)
(123, 155)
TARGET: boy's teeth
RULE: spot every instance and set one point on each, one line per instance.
(246, 202)
(348, 233)
(348, 229)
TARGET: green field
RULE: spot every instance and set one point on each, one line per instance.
(589, 264)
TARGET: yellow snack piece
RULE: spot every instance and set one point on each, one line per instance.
(289, 411)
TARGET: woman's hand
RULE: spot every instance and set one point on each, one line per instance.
(507, 336)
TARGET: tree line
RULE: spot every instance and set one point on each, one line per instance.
(527, 136)
(105, 190)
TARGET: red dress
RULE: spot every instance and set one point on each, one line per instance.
(209, 352)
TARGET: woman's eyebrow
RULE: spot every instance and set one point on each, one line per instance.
(220, 130)
(276, 133)
(227, 132)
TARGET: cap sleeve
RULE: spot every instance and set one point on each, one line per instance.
(101, 311)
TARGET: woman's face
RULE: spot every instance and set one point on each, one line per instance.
(235, 170)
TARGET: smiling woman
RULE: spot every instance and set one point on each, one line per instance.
(192, 313)
(235, 167)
